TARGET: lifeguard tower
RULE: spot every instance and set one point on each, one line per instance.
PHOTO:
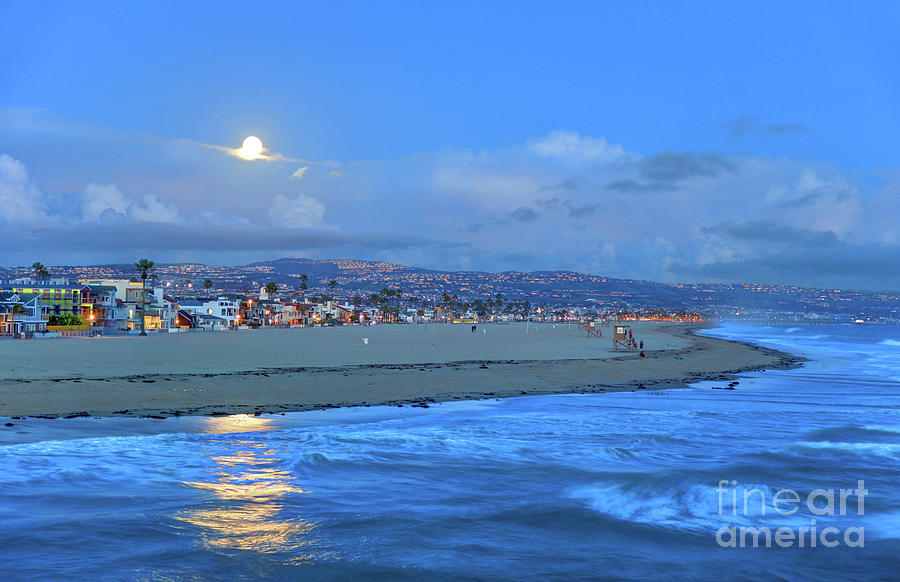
(621, 339)
(593, 329)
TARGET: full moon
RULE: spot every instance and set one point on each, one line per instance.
(251, 148)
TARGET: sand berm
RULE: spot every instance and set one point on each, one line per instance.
(281, 370)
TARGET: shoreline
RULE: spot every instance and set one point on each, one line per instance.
(297, 389)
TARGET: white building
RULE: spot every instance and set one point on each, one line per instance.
(223, 308)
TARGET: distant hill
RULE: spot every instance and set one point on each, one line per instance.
(354, 277)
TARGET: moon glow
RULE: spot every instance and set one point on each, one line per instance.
(251, 148)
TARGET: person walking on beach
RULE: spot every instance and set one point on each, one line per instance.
(473, 328)
(642, 345)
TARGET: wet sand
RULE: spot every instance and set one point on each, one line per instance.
(271, 371)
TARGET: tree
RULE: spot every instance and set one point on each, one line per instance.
(16, 309)
(332, 284)
(207, 283)
(66, 320)
(143, 266)
(39, 270)
(271, 288)
(445, 300)
(304, 278)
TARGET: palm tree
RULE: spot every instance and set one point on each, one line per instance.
(445, 299)
(207, 283)
(332, 284)
(143, 266)
(16, 309)
(303, 285)
(39, 269)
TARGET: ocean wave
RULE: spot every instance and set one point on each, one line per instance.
(883, 428)
(886, 450)
(686, 506)
(856, 434)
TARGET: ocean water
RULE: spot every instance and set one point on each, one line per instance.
(576, 487)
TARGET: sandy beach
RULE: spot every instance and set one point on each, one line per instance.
(280, 370)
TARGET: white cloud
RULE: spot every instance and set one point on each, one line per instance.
(100, 200)
(20, 200)
(150, 209)
(302, 211)
(300, 172)
(571, 146)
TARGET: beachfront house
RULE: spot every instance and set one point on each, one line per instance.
(209, 322)
(29, 319)
(104, 308)
(333, 312)
(222, 307)
(61, 297)
(297, 314)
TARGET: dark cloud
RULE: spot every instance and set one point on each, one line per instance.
(747, 124)
(763, 232)
(164, 238)
(675, 166)
(633, 186)
(665, 170)
(568, 207)
(569, 184)
(862, 267)
(785, 129)
(584, 209)
(838, 194)
(742, 125)
(477, 227)
(524, 214)
(549, 204)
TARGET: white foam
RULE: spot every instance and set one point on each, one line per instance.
(685, 507)
(891, 451)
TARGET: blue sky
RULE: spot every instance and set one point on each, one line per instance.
(650, 140)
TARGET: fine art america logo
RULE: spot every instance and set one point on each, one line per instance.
(801, 514)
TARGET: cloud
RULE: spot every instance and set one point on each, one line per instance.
(563, 200)
(785, 128)
(20, 199)
(835, 265)
(336, 174)
(524, 214)
(106, 203)
(773, 233)
(633, 186)
(569, 145)
(742, 125)
(668, 167)
(100, 199)
(748, 124)
(667, 170)
(300, 211)
(575, 183)
(300, 172)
